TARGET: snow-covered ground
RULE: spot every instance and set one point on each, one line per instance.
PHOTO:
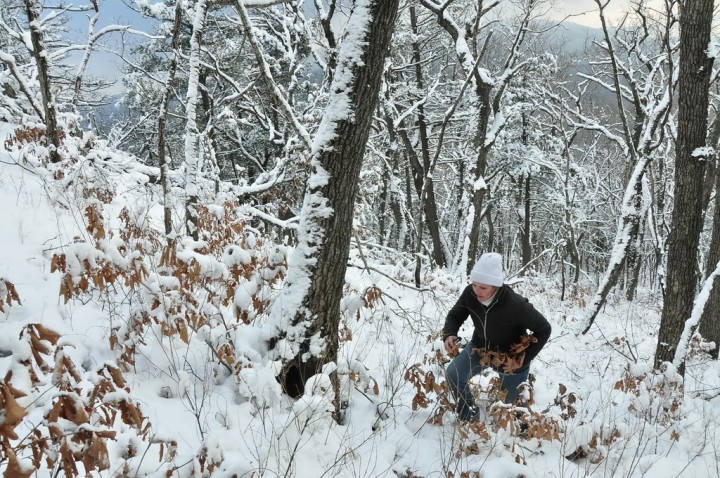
(595, 395)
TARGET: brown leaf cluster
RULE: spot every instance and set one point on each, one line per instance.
(104, 195)
(507, 362)
(566, 401)
(27, 135)
(8, 294)
(665, 391)
(372, 296)
(79, 420)
(593, 450)
(13, 411)
(424, 383)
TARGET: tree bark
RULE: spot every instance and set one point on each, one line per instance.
(421, 170)
(526, 234)
(392, 192)
(164, 163)
(478, 193)
(710, 320)
(33, 9)
(327, 213)
(690, 165)
(192, 135)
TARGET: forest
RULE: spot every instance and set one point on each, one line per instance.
(235, 256)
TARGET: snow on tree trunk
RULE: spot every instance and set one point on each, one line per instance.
(162, 121)
(303, 326)
(690, 163)
(421, 174)
(627, 231)
(692, 323)
(710, 322)
(489, 95)
(33, 8)
(192, 147)
(651, 105)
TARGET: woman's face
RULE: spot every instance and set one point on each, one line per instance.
(483, 292)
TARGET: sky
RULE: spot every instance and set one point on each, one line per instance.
(595, 390)
(105, 64)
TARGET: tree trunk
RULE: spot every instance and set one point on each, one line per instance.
(320, 259)
(684, 237)
(164, 163)
(633, 262)
(571, 241)
(478, 192)
(392, 195)
(429, 206)
(33, 9)
(192, 136)
(420, 169)
(627, 231)
(526, 244)
(710, 320)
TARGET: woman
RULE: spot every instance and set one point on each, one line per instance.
(502, 319)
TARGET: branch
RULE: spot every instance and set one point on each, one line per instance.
(9, 60)
(616, 80)
(272, 86)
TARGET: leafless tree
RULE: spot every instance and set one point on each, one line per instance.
(325, 229)
(690, 164)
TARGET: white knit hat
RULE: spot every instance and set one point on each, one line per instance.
(488, 270)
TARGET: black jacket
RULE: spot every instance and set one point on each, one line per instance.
(501, 324)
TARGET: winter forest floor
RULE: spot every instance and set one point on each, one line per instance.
(126, 388)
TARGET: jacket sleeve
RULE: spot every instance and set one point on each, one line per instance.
(540, 328)
(456, 316)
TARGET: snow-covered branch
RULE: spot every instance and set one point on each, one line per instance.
(272, 85)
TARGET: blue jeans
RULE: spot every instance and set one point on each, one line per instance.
(464, 367)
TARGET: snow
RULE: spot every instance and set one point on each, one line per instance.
(703, 153)
(193, 156)
(713, 48)
(248, 426)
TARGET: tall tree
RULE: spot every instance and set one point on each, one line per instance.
(193, 159)
(643, 106)
(472, 40)
(311, 298)
(163, 160)
(690, 163)
(710, 321)
(33, 8)
(421, 165)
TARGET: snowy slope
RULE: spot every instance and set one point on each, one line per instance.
(206, 418)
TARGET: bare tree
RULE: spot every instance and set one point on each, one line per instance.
(163, 160)
(690, 164)
(33, 8)
(489, 92)
(311, 297)
(642, 84)
(192, 137)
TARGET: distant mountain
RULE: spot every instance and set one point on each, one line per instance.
(104, 116)
(575, 37)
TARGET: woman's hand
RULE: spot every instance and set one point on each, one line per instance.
(451, 345)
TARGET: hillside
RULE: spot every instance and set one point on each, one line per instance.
(126, 356)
